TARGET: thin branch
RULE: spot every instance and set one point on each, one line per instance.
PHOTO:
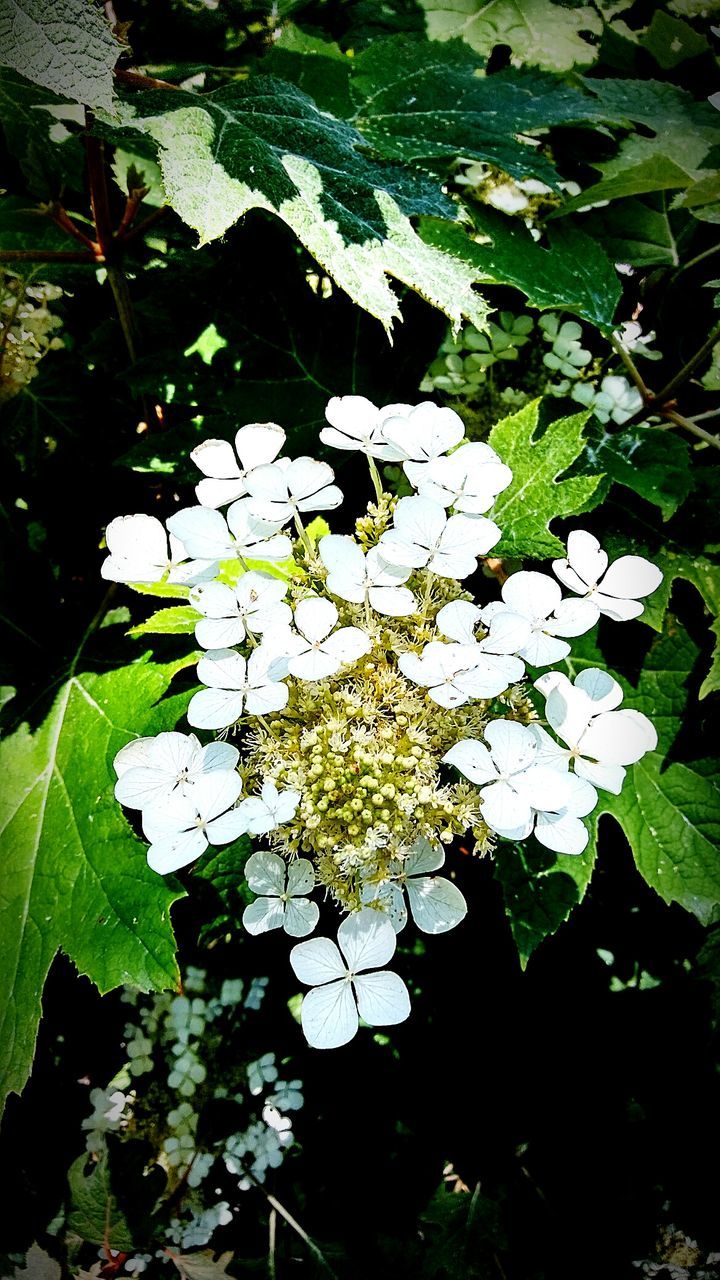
(632, 369)
(123, 303)
(143, 226)
(679, 421)
(97, 181)
(700, 257)
(132, 204)
(49, 255)
(138, 80)
(669, 390)
(292, 1222)
(66, 224)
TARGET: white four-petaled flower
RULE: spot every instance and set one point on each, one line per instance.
(356, 424)
(181, 827)
(269, 810)
(139, 552)
(283, 901)
(365, 579)
(469, 480)
(342, 989)
(234, 685)
(423, 536)
(600, 740)
(422, 432)
(318, 651)
(512, 784)
(151, 770)
(255, 445)
(205, 532)
(255, 605)
(281, 490)
(436, 904)
(618, 590)
(539, 600)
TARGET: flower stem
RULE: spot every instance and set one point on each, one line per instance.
(375, 477)
(678, 420)
(302, 534)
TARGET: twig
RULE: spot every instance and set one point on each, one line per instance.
(632, 369)
(700, 257)
(670, 388)
(292, 1222)
(61, 219)
(679, 421)
(138, 80)
(49, 255)
(272, 1234)
(143, 226)
(97, 180)
(132, 204)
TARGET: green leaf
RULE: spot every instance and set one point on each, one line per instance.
(74, 877)
(419, 101)
(540, 889)
(632, 230)
(671, 41)
(48, 165)
(68, 48)
(94, 1214)
(263, 144)
(224, 870)
(201, 1266)
(538, 493)
(38, 1266)
(670, 812)
(538, 32)
(177, 621)
(654, 464)
(572, 272)
(705, 577)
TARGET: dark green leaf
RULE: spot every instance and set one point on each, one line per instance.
(653, 463)
(704, 575)
(635, 231)
(572, 272)
(540, 889)
(94, 1214)
(671, 41)
(538, 32)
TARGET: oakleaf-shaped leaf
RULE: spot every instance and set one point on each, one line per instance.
(201, 1266)
(263, 144)
(539, 32)
(704, 575)
(67, 47)
(74, 877)
(38, 1266)
(538, 493)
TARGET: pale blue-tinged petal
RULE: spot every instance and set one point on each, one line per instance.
(214, 708)
(267, 697)
(317, 961)
(301, 917)
(604, 692)
(203, 532)
(473, 760)
(329, 1015)
(382, 998)
(503, 809)
(219, 755)
(265, 874)
(423, 858)
(436, 903)
(300, 877)
(366, 939)
(262, 915)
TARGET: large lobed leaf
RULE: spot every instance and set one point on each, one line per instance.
(68, 48)
(538, 493)
(74, 877)
(704, 575)
(263, 144)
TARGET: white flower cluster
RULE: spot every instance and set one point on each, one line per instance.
(335, 615)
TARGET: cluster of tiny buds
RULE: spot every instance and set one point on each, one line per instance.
(380, 710)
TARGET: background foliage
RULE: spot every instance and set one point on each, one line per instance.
(220, 213)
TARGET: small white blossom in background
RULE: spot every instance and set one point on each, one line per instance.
(616, 399)
(262, 1072)
(286, 1095)
(138, 1263)
(351, 676)
(109, 1115)
(616, 591)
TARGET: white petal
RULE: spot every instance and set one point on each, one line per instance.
(317, 961)
(544, 788)
(216, 459)
(354, 416)
(306, 476)
(458, 621)
(604, 692)
(326, 499)
(300, 877)
(568, 711)
(586, 556)
(562, 832)
(542, 650)
(609, 777)
(617, 610)
(502, 808)
(508, 633)
(214, 792)
(423, 858)
(301, 917)
(436, 903)
(329, 1014)
(217, 493)
(348, 644)
(419, 521)
(473, 760)
(618, 737)
(136, 754)
(366, 939)
(533, 594)
(398, 550)
(214, 600)
(267, 697)
(259, 443)
(265, 874)
(315, 617)
(219, 633)
(222, 669)
(513, 746)
(631, 578)
(392, 602)
(203, 532)
(226, 828)
(343, 556)
(173, 852)
(382, 999)
(214, 708)
(574, 617)
(262, 915)
(313, 664)
(139, 538)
